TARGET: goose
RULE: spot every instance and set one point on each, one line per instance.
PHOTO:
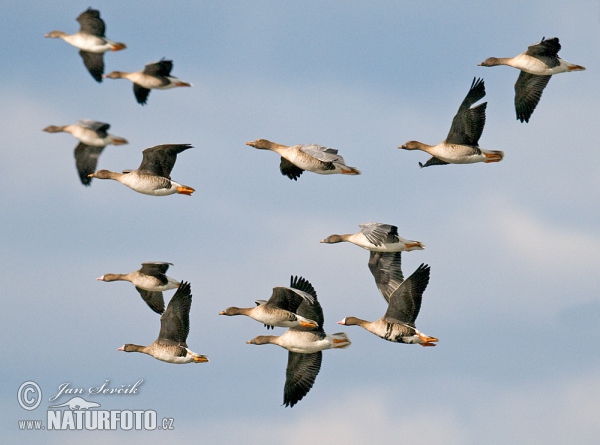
(305, 346)
(171, 346)
(156, 75)
(385, 247)
(93, 137)
(280, 309)
(537, 65)
(377, 237)
(150, 281)
(91, 41)
(398, 323)
(152, 177)
(461, 144)
(312, 157)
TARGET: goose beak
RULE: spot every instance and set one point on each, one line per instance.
(122, 348)
(120, 141)
(251, 144)
(91, 175)
(100, 279)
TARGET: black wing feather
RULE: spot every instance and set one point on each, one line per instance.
(157, 270)
(546, 51)
(160, 159)
(300, 375)
(175, 321)
(528, 92)
(162, 68)
(140, 93)
(290, 170)
(433, 161)
(154, 300)
(312, 311)
(86, 159)
(387, 271)
(94, 62)
(405, 302)
(91, 22)
(467, 126)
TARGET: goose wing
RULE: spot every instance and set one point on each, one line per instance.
(154, 300)
(387, 271)
(175, 321)
(321, 153)
(101, 128)
(160, 159)
(290, 170)
(378, 234)
(86, 160)
(156, 269)
(161, 70)
(94, 62)
(405, 302)
(433, 161)
(468, 123)
(528, 92)
(300, 375)
(307, 309)
(91, 23)
(546, 51)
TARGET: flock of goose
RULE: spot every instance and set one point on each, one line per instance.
(295, 307)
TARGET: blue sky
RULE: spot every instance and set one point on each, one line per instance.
(513, 246)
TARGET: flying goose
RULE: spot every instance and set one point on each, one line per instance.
(461, 144)
(314, 158)
(280, 309)
(156, 75)
(304, 347)
(171, 346)
(385, 245)
(153, 176)
(93, 137)
(91, 41)
(150, 281)
(377, 237)
(398, 323)
(537, 65)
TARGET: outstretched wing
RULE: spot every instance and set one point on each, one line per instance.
(528, 92)
(321, 153)
(468, 123)
(86, 160)
(405, 302)
(378, 234)
(433, 161)
(300, 375)
(161, 69)
(156, 269)
(290, 170)
(101, 128)
(160, 159)
(154, 300)
(140, 93)
(546, 51)
(387, 271)
(307, 309)
(289, 299)
(94, 62)
(175, 321)
(91, 22)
